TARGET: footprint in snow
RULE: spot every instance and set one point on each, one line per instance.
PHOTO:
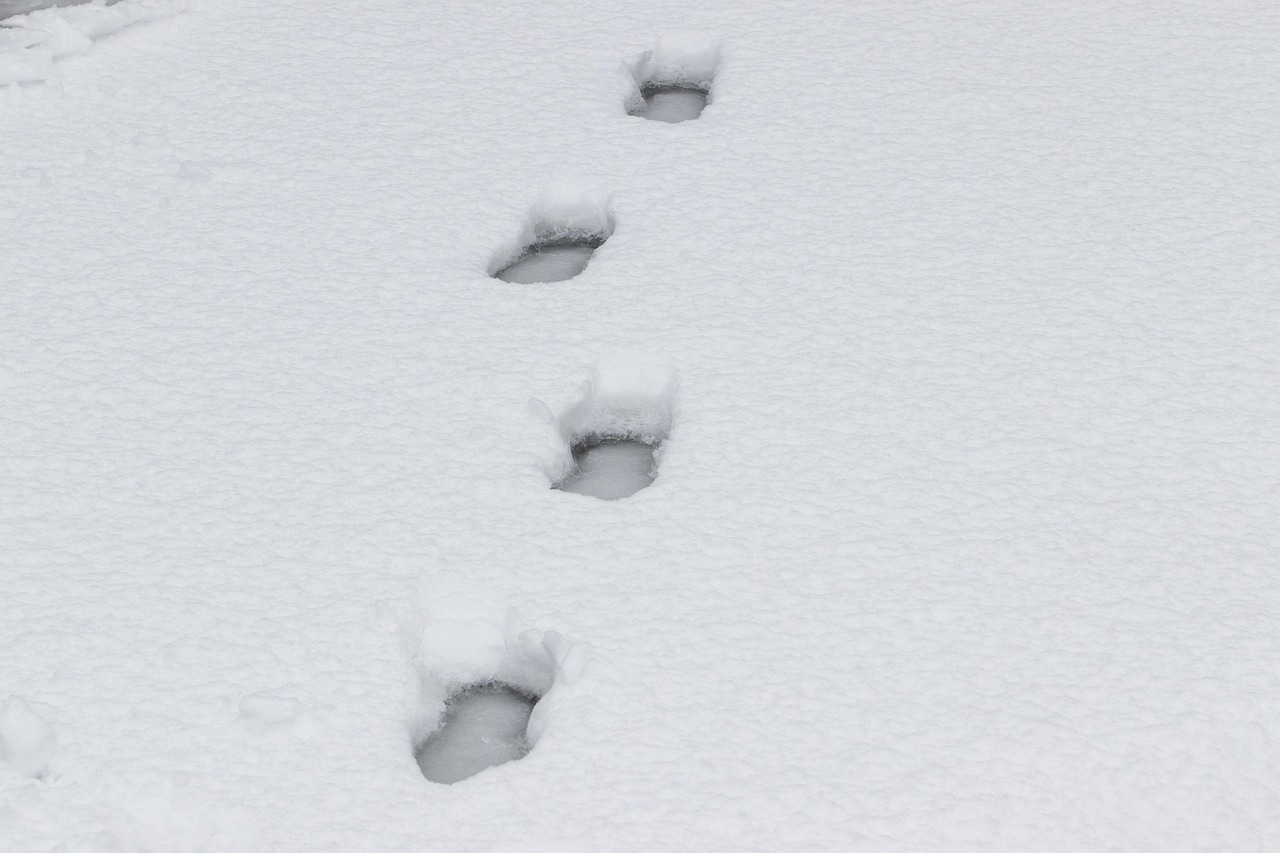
(553, 259)
(611, 468)
(672, 82)
(484, 725)
(671, 103)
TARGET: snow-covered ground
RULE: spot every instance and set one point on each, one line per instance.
(956, 324)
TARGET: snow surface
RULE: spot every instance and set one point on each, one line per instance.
(960, 321)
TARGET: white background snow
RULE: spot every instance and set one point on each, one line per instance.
(965, 533)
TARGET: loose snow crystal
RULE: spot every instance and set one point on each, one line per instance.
(27, 742)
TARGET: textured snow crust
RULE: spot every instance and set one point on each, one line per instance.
(959, 321)
(31, 43)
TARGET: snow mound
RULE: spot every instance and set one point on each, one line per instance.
(30, 44)
(27, 742)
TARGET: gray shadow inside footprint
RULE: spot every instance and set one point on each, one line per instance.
(559, 260)
(672, 104)
(611, 469)
(484, 725)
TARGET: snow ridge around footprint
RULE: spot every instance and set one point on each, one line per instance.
(608, 438)
(485, 694)
(560, 236)
(672, 82)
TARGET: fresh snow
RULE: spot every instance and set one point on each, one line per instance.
(954, 323)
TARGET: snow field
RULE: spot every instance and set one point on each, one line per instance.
(964, 532)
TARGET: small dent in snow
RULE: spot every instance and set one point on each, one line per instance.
(484, 725)
(9, 8)
(268, 713)
(189, 171)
